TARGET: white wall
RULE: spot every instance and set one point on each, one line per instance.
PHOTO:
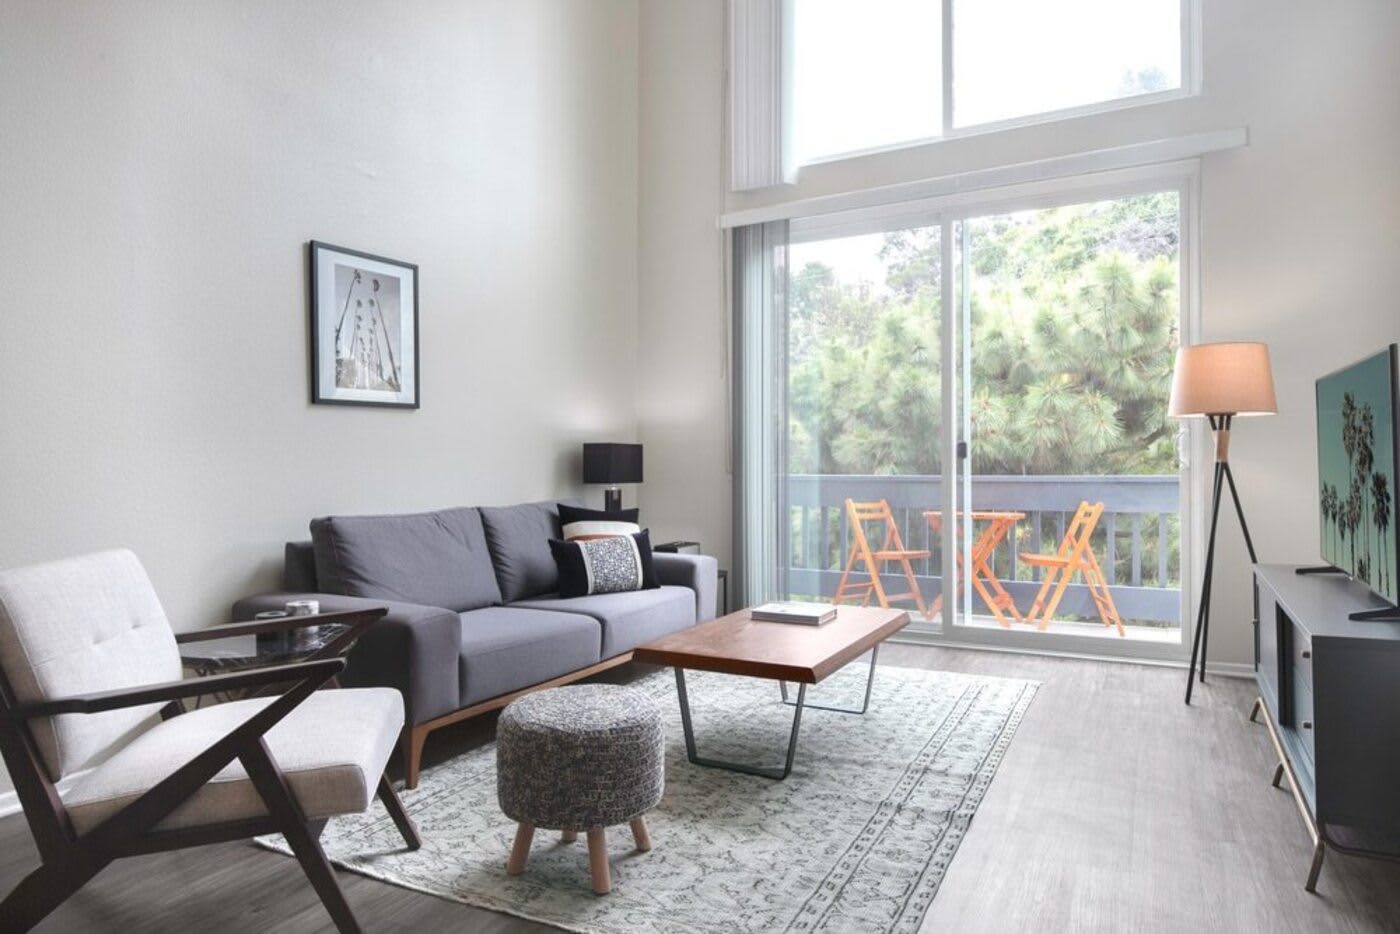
(1299, 236)
(682, 392)
(162, 165)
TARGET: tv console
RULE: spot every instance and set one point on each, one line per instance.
(1329, 686)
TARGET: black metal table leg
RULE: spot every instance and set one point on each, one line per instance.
(869, 684)
(761, 771)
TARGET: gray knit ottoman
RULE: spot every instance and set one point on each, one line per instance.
(576, 758)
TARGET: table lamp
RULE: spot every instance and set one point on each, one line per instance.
(1219, 382)
(612, 464)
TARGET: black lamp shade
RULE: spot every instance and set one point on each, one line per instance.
(612, 463)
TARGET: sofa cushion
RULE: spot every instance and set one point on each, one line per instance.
(628, 619)
(518, 537)
(507, 648)
(430, 558)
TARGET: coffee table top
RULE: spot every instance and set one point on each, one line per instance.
(740, 645)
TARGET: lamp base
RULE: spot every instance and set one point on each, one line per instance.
(612, 499)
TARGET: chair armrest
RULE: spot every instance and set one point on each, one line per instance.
(354, 618)
(698, 572)
(414, 648)
(141, 695)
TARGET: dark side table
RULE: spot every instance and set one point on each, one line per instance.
(238, 652)
(693, 548)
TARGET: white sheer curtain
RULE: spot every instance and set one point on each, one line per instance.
(760, 408)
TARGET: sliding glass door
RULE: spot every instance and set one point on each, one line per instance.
(1069, 322)
(967, 416)
(865, 422)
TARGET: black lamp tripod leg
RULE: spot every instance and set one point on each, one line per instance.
(1239, 511)
(1198, 646)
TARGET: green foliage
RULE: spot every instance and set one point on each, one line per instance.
(1073, 332)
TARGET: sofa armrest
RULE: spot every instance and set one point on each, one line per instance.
(698, 572)
(413, 648)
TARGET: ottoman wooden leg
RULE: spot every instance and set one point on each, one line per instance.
(568, 836)
(521, 851)
(598, 861)
(639, 833)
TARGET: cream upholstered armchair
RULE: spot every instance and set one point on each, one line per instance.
(90, 693)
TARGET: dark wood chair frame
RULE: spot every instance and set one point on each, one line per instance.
(70, 860)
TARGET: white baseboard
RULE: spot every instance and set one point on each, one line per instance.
(1222, 669)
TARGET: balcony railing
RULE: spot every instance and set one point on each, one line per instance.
(1136, 540)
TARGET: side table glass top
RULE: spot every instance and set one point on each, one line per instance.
(234, 653)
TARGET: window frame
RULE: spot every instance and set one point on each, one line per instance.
(1191, 82)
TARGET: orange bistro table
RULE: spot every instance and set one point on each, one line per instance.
(996, 526)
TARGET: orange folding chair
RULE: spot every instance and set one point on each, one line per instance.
(1075, 556)
(891, 551)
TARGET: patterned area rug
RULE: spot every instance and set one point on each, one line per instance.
(857, 839)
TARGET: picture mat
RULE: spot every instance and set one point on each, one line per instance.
(328, 314)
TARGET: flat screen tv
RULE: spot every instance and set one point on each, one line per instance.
(1358, 428)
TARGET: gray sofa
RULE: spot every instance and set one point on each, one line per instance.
(473, 617)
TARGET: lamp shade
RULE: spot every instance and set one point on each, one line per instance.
(612, 463)
(1223, 379)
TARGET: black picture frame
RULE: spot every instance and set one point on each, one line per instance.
(374, 365)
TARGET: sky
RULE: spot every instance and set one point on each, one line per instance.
(869, 73)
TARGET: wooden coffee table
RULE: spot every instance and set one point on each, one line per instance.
(739, 645)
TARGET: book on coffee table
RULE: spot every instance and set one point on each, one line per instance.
(805, 614)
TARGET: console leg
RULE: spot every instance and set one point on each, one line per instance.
(1278, 774)
(1319, 849)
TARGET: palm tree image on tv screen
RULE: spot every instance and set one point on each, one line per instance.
(1356, 471)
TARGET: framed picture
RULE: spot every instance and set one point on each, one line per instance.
(364, 328)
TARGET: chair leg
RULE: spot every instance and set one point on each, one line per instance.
(292, 822)
(43, 890)
(640, 836)
(520, 850)
(598, 861)
(876, 587)
(1038, 607)
(914, 587)
(1103, 597)
(845, 576)
(568, 836)
(1065, 576)
(394, 806)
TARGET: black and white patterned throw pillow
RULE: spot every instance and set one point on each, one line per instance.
(615, 564)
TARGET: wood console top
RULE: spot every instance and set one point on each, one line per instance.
(740, 645)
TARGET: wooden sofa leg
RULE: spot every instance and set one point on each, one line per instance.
(412, 742)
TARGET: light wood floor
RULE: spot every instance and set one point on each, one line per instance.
(1116, 809)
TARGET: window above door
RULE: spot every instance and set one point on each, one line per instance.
(884, 74)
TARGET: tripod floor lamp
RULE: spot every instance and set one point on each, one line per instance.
(1219, 382)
